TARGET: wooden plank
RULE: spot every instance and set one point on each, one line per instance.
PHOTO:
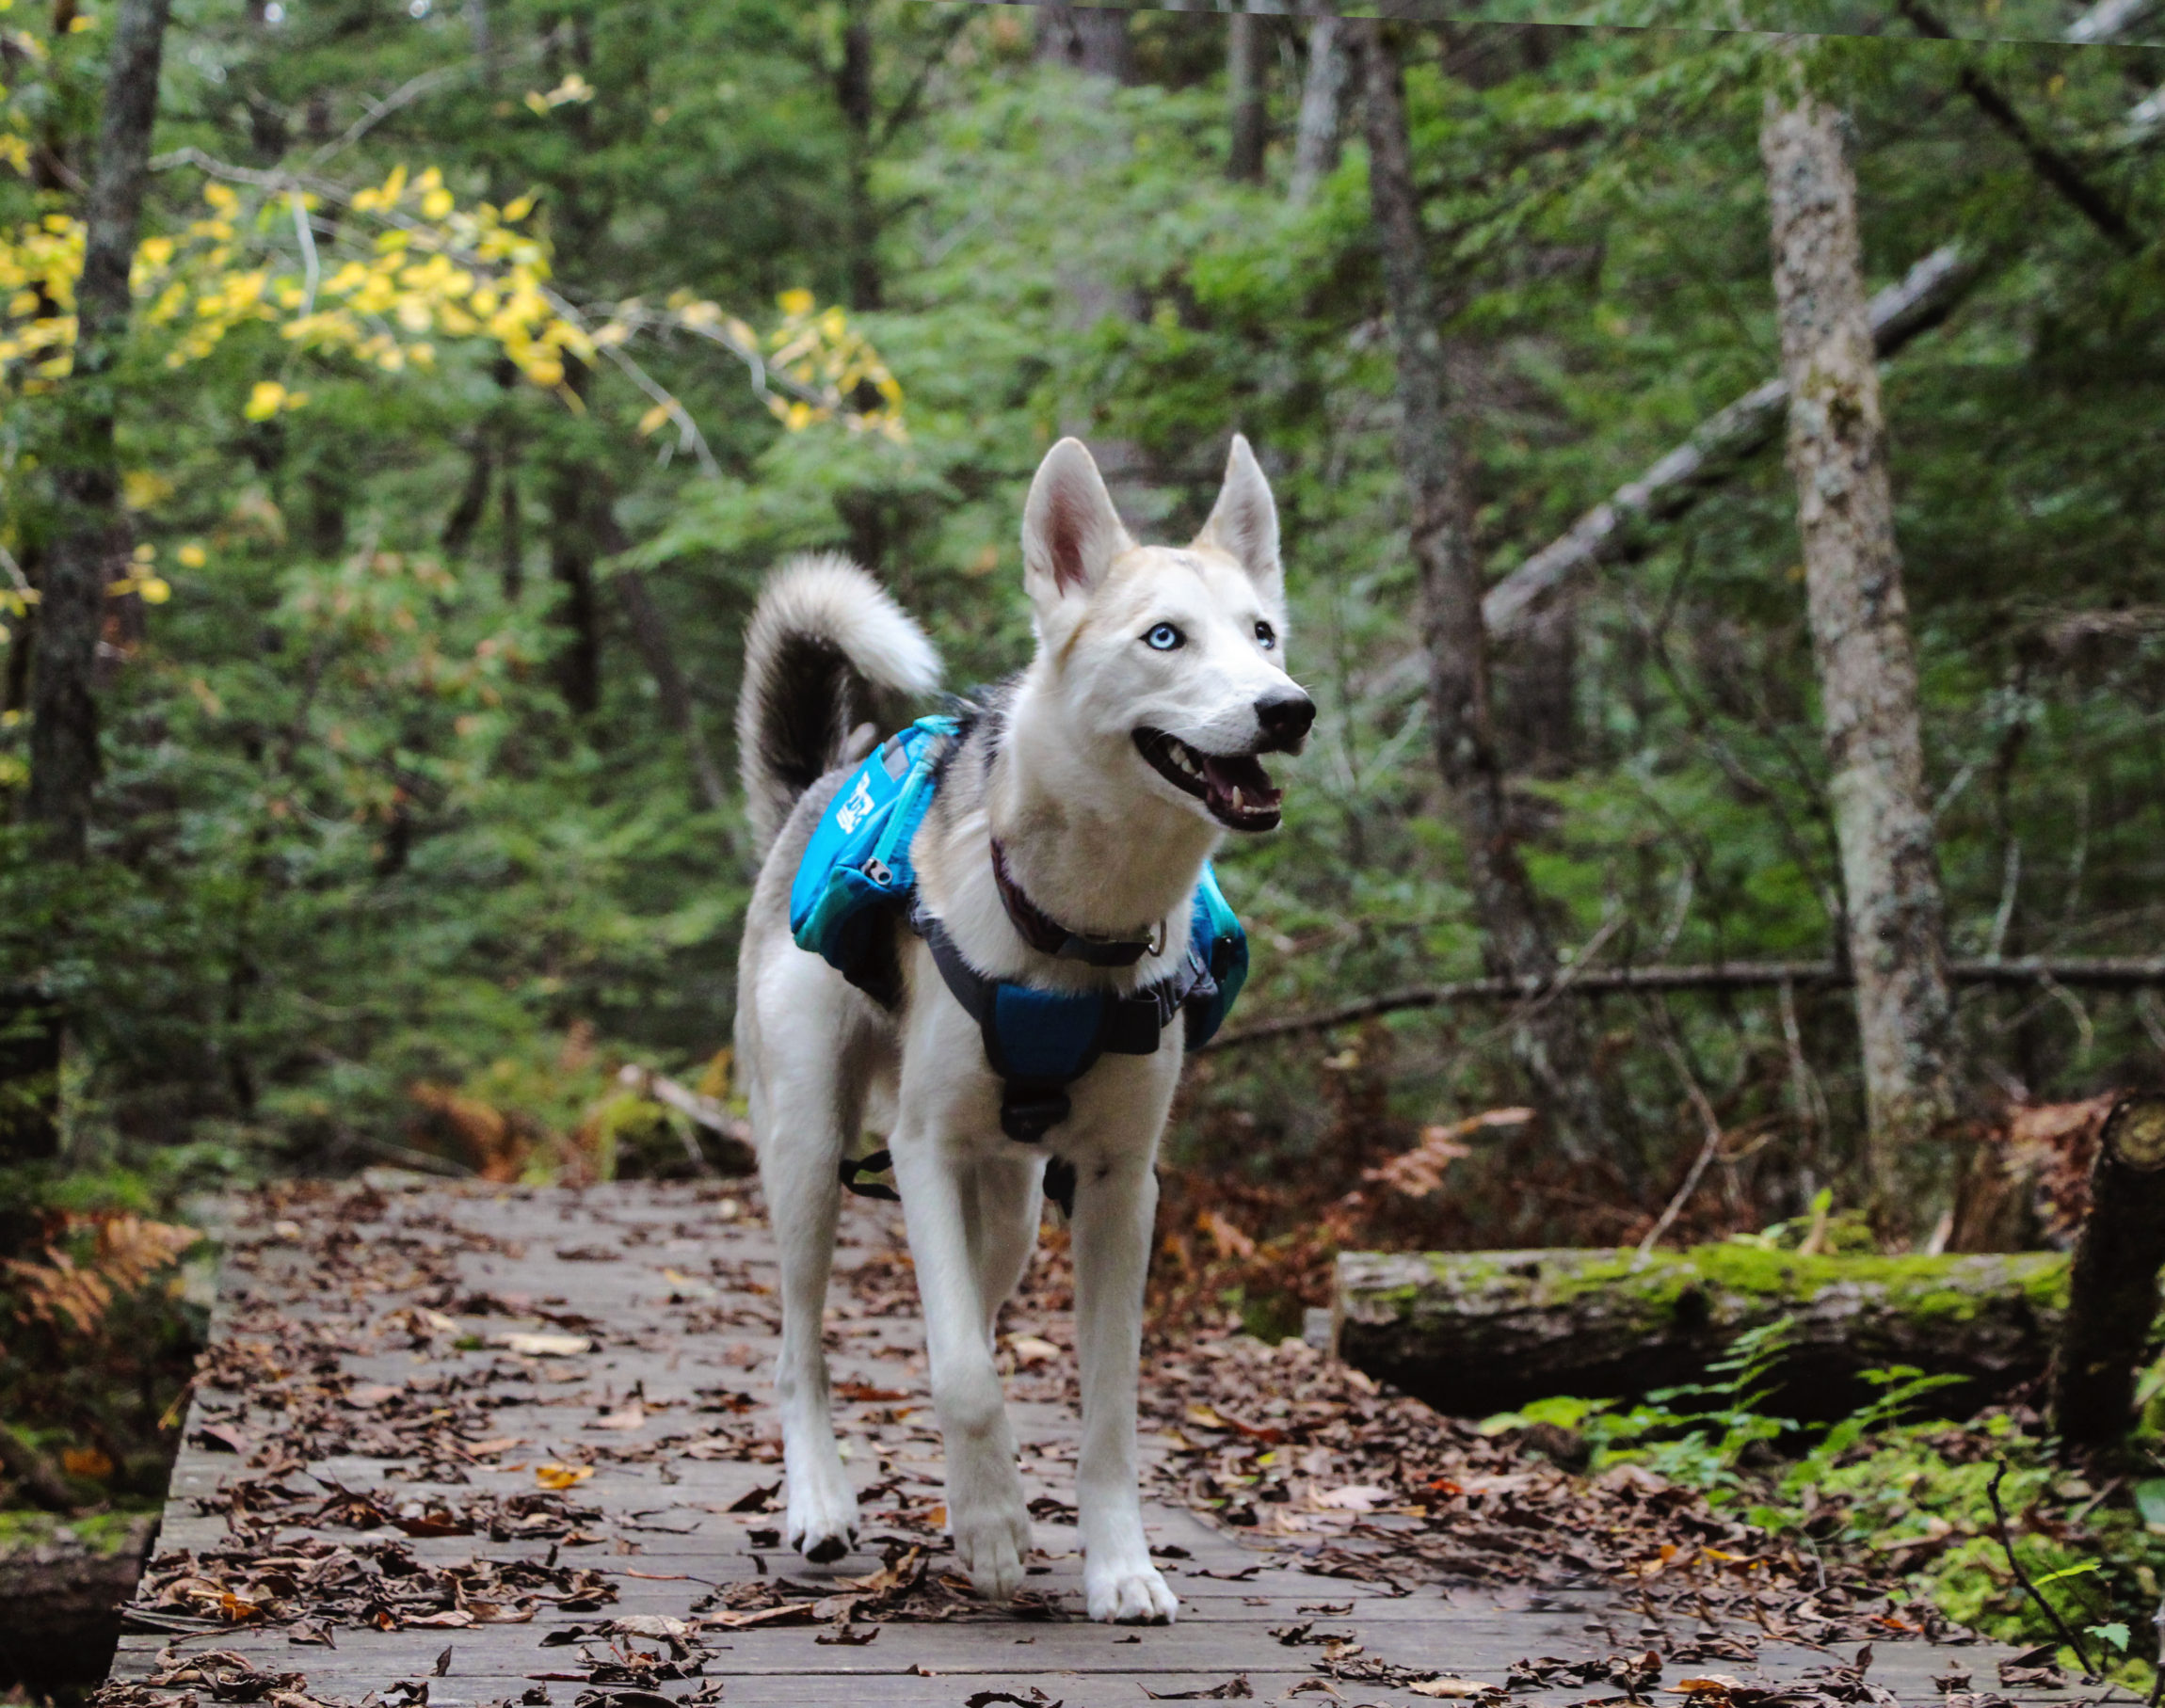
(669, 1293)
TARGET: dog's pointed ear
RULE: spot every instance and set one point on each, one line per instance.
(1245, 522)
(1070, 532)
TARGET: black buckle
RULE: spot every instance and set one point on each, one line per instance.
(1028, 1112)
(877, 1163)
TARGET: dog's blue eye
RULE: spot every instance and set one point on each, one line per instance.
(1266, 637)
(1164, 638)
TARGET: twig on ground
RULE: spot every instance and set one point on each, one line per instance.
(2007, 1547)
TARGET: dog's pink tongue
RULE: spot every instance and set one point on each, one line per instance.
(1240, 781)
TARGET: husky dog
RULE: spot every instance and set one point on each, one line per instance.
(1104, 774)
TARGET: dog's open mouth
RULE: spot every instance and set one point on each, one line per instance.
(1233, 785)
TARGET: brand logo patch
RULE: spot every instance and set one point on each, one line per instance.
(854, 810)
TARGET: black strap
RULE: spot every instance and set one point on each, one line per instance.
(877, 1163)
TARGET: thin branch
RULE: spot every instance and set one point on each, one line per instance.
(2056, 168)
(1707, 1151)
(2007, 1547)
(2128, 973)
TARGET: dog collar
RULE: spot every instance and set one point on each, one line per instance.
(1047, 935)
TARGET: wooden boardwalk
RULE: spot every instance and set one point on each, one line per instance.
(410, 1411)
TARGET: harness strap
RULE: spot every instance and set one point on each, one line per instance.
(1033, 1097)
(878, 1162)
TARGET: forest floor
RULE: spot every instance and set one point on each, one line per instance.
(463, 1445)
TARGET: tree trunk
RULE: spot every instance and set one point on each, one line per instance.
(854, 94)
(1838, 452)
(1615, 530)
(572, 548)
(87, 543)
(651, 635)
(1322, 98)
(2113, 1294)
(1090, 38)
(1246, 44)
(1551, 1041)
(1475, 1333)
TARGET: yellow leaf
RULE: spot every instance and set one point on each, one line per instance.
(795, 303)
(264, 400)
(538, 103)
(654, 418)
(192, 556)
(86, 1462)
(562, 1476)
(153, 590)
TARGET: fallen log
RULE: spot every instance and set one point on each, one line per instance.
(734, 1150)
(2112, 1289)
(1478, 1332)
(61, 1587)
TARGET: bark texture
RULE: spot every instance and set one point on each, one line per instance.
(574, 545)
(60, 1603)
(1838, 453)
(1475, 1333)
(1250, 120)
(1090, 38)
(1550, 1042)
(2112, 1293)
(1322, 102)
(89, 539)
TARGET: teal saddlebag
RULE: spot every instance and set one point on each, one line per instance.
(856, 880)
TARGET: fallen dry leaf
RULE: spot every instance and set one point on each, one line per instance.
(542, 1346)
(562, 1476)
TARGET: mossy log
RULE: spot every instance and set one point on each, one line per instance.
(61, 1587)
(1477, 1333)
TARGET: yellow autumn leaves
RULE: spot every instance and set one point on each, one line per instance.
(415, 268)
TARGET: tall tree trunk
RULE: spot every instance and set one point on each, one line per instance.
(1551, 1041)
(1090, 38)
(1246, 44)
(88, 542)
(574, 545)
(854, 93)
(1838, 453)
(1322, 98)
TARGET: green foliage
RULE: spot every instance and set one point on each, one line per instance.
(365, 830)
(1893, 1495)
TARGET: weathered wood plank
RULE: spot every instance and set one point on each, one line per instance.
(668, 1294)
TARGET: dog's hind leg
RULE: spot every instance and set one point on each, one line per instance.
(804, 1112)
(1115, 1205)
(985, 1508)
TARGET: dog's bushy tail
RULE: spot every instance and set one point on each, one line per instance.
(825, 642)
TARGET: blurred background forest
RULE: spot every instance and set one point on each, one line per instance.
(487, 352)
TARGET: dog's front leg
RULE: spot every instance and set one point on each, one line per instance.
(1115, 1206)
(985, 1507)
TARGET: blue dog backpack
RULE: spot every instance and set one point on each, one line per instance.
(855, 884)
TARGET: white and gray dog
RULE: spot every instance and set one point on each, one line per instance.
(1106, 774)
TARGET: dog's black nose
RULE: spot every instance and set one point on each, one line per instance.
(1284, 720)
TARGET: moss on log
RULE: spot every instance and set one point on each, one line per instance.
(1475, 1333)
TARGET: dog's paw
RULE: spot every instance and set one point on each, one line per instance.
(822, 1517)
(1128, 1594)
(990, 1546)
